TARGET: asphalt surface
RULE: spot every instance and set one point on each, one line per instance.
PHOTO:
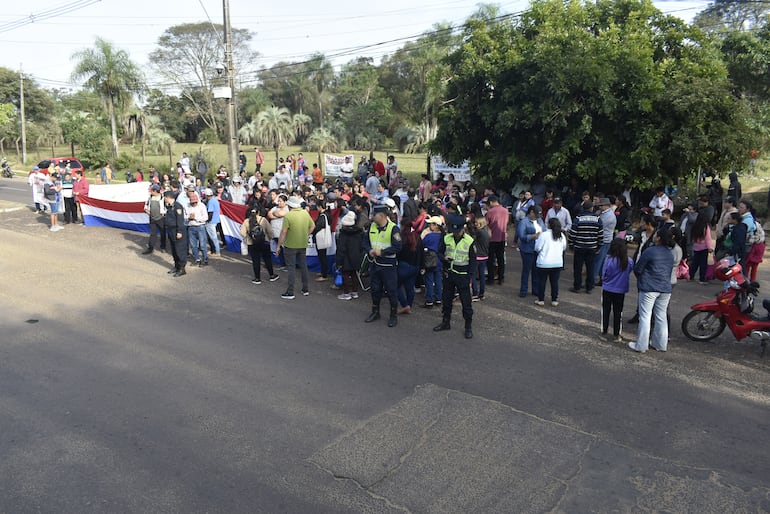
(125, 390)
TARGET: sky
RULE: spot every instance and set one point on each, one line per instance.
(40, 36)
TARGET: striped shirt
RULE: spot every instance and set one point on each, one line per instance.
(586, 232)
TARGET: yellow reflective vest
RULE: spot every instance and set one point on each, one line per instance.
(458, 252)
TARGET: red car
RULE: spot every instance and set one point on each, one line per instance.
(61, 163)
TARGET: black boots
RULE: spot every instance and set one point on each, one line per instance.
(444, 325)
(148, 251)
(173, 271)
(375, 315)
(180, 272)
(468, 331)
(393, 320)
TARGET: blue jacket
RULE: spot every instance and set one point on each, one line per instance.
(653, 270)
(614, 279)
(524, 230)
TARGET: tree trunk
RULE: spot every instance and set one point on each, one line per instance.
(320, 114)
(113, 126)
(143, 151)
(319, 160)
(2, 149)
(18, 152)
(53, 150)
(72, 148)
(170, 156)
(275, 147)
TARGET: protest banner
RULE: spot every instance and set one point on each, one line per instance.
(332, 164)
(462, 172)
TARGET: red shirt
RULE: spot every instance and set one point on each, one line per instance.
(497, 219)
(379, 168)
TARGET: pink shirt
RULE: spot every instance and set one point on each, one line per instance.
(703, 244)
(497, 219)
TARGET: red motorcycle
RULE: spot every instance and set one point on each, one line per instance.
(733, 308)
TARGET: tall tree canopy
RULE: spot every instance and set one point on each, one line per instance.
(186, 57)
(615, 92)
(109, 72)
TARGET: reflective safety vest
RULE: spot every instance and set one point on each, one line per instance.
(381, 239)
(459, 252)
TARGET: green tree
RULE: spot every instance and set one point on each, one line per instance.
(415, 78)
(725, 16)
(187, 56)
(275, 128)
(321, 140)
(89, 134)
(615, 92)
(110, 73)
(362, 104)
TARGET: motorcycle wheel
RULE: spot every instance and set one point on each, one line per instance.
(702, 325)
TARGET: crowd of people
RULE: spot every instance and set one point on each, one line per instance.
(444, 238)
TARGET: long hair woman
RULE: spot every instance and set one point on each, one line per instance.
(702, 246)
(550, 247)
(615, 282)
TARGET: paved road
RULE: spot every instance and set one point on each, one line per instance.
(15, 190)
(124, 390)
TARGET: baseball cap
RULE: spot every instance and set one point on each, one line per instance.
(435, 219)
(456, 222)
(389, 202)
(155, 187)
(209, 192)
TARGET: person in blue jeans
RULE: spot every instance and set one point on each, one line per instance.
(408, 268)
(431, 239)
(528, 230)
(653, 279)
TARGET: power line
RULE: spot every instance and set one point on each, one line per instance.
(45, 15)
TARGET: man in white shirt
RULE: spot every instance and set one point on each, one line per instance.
(283, 177)
(559, 212)
(237, 191)
(346, 170)
(659, 202)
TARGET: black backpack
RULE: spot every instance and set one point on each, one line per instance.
(256, 233)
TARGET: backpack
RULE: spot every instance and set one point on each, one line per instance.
(256, 233)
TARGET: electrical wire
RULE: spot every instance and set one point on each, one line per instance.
(45, 15)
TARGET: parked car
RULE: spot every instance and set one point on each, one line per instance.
(61, 163)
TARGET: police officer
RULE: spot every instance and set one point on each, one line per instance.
(457, 253)
(384, 243)
(176, 232)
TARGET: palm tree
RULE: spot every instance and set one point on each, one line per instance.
(275, 128)
(110, 73)
(248, 132)
(322, 140)
(301, 123)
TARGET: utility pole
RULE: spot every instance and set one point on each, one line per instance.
(232, 130)
(23, 121)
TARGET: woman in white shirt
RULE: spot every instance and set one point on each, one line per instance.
(550, 247)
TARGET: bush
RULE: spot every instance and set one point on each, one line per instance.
(207, 135)
(127, 160)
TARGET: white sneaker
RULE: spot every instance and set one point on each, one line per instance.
(554, 304)
(344, 296)
(633, 346)
(354, 295)
(53, 229)
(539, 303)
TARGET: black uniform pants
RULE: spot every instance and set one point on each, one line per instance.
(384, 278)
(70, 210)
(496, 261)
(157, 227)
(179, 246)
(583, 258)
(462, 284)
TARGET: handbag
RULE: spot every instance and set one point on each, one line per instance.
(683, 270)
(323, 239)
(430, 259)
